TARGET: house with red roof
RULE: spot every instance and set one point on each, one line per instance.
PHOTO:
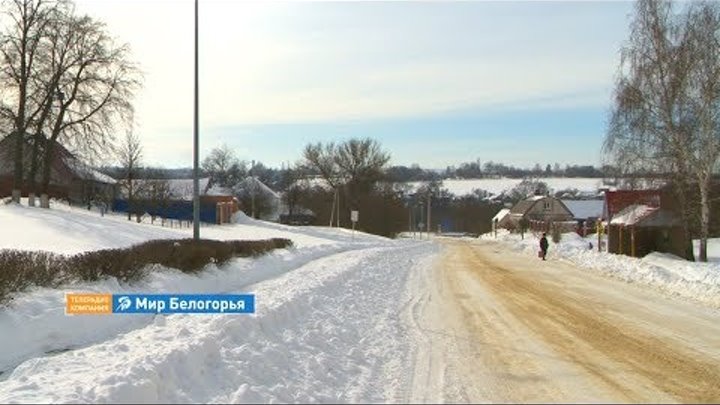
(639, 222)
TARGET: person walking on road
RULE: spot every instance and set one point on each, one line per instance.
(543, 246)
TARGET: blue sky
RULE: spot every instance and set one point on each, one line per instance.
(565, 136)
(437, 83)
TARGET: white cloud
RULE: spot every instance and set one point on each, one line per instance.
(271, 62)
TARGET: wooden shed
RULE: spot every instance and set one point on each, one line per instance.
(641, 222)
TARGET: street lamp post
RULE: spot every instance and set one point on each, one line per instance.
(252, 188)
(421, 225)
(196, 159)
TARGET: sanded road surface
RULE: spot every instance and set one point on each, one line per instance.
(497, 326)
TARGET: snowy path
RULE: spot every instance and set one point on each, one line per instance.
(492, 325)
(327, 331)
(39, 325)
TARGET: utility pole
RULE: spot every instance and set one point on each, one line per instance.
(196, 158)
(422, 218)
(427, 226)
(337, 217)
(332, 211)
(412, 215)
(409, 219)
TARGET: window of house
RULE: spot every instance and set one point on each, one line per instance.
(547, 205)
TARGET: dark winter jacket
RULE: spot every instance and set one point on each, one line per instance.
(543, 244)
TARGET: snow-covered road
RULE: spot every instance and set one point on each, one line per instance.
(497, 326)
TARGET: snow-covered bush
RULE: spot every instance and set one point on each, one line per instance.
(22, 269)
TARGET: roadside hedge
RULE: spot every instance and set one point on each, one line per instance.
(20, 269)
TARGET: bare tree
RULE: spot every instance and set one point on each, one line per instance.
(129, 156)
(704, 32)
(322, 160)
(361, 163)
(20, 48)
(70, 85)
(158, 195)
(527, 188)
(664, 119)
(95, 84)
(224, 167)
(353, 166)
(293, 182)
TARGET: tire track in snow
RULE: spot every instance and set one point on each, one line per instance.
(583, 334)
(548, 332)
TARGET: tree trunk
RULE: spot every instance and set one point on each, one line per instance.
(34, 162)
(18, 167)
(704, 185)
(686, 211)
(130, 198)
(47, 163)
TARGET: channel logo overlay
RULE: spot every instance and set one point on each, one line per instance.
(104, 304)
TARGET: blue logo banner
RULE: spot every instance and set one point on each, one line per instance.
(183, 303)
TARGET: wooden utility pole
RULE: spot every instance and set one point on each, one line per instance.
(427, 226)
(332, 210)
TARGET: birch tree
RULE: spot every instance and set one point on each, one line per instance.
(704, 32)
(664, 117)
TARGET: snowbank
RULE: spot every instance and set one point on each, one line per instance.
(34, 324)
(699, 282)
(69, 230)
(327, 331)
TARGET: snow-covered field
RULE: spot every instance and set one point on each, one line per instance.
(699, 282)
(69, 230)
(323, 331)
(497, 186)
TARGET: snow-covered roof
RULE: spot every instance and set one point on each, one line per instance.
(86, 172)
(632, 214)
(501, 214)
(583, 209)
(617, 201)
(219, 191)
(182, 189)
(260, 187)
